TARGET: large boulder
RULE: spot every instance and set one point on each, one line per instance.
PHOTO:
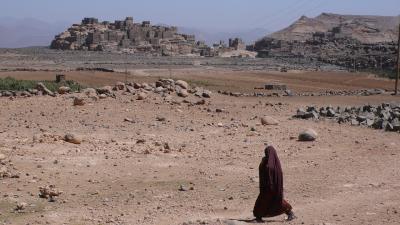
(165, 83)
(268, 121)
(130, 89)
(7, 94)
(120, 86)
(72, 138)
(26, 94)
(79, 101)
(182, 84)
(206, 94)
(142, 96)
(2, 157)
(63, 90)
(308, 135)
(90, 92)
(182, 93)
(41, 87)
(107, 90)
(137, 85)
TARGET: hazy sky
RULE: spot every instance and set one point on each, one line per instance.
(226, 14)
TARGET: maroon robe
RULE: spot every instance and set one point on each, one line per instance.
(270, 201)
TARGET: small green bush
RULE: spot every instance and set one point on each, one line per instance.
(12, 84)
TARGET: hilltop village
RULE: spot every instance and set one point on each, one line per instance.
(134, 37)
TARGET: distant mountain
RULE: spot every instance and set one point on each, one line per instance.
(247, 35)
(366, 29)
(17, 33)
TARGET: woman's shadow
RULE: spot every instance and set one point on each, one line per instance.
(256, 221)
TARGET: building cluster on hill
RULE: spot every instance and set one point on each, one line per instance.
(129, 36)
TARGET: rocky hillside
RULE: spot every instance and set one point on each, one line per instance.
(356, 42)
(366, 29)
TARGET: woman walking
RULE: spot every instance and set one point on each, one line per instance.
(270, 202)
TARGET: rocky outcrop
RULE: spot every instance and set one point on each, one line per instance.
(129, 37)
(365, 29)
(356, 42)
(385, 116)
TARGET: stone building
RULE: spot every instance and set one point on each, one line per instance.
(237, 44)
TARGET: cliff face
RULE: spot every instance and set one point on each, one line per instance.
(128, 36)
(357, 42)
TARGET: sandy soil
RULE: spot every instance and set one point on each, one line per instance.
(348, 176)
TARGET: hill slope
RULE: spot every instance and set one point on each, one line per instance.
(366, 29)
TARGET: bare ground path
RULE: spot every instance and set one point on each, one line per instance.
(348, 176)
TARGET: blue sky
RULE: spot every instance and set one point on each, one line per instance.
(217, 14)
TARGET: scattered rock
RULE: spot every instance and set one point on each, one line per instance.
(182, 84)
(102, 96)
(385, 116)
(137, 85)
(120, 86)
(141, 141)
(142, 96)
(201, 102)
(63, 90)
(26, 94)
(49, 192)
(130, 89)
(79, 101)
(267, 121)
(308, 135)
(206, 94)
(107, 90)
(72, 138)
(183, 188)
(90, 92)
(129, 120)
(161, 118)
(41, 87)
(2, 157)
(4, 172)
(182, 93)
(7, 94)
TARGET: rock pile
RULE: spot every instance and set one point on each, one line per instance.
(361, 92)
(49, 192)
(6, 168)
(164, 87)
(385, 116)
(27, 93)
